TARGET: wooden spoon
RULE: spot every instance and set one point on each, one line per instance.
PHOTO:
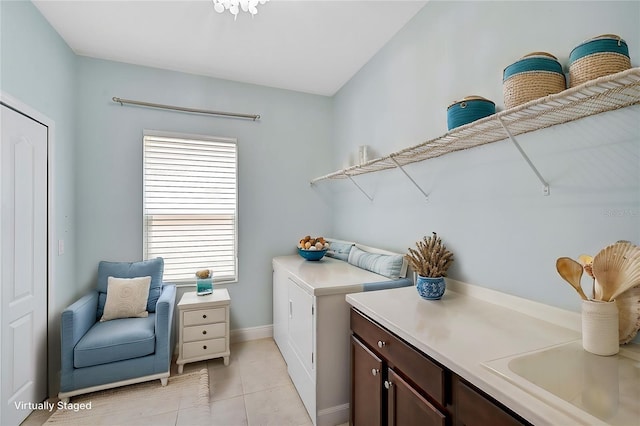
(571, 272)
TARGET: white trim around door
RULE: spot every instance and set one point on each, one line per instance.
(52, 242)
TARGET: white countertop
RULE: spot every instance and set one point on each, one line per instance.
(466, 333)
(327, 275)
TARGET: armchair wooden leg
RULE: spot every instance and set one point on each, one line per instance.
(164, 381)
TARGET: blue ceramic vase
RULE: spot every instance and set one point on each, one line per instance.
(430, 288)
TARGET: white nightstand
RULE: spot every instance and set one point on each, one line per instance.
(204, 327)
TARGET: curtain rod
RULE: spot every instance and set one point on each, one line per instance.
(121, 101)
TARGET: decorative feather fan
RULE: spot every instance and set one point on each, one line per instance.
(616, 269)
(629, 314)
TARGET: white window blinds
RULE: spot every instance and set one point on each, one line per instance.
(190, 205)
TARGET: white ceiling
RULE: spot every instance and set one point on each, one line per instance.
(303, 45)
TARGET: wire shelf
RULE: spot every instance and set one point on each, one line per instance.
(594, 97)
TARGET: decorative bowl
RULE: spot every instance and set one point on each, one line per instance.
(312, 254)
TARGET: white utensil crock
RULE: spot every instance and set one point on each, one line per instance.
(600, 327)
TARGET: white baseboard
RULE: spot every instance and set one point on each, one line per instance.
(338, 415)
(251, 333)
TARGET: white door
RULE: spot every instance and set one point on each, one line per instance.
(23, 265)
(301, 311)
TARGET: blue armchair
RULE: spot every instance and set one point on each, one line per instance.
(101, 355)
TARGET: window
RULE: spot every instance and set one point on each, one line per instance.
(190, 205)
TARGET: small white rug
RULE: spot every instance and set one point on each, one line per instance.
(185, 400)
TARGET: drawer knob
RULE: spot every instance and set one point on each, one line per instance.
(204, 331)
(204, 347)
(374, 371)
(204, 316)
(387, 384)
(381, 343)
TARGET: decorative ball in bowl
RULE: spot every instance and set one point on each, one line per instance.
(312, 254)
(312, 248)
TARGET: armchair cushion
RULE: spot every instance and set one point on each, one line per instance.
(152, 268)
(116, 340)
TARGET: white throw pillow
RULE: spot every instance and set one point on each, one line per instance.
(126, 298)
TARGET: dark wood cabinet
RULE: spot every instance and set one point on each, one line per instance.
(472, 408)
(394, 384)
(405, 405)
(366, 385)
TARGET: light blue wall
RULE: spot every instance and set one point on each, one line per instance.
(38, 69)
(485, 202)
(98, 179)
(277, 156)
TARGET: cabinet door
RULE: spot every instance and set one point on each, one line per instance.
(406, 407)
(301, 325)
(424, 373)
(280, 310)
(366, 386)
(473, 409)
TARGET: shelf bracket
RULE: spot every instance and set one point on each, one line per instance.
(359, 187)
(426, 196)
(545, 185)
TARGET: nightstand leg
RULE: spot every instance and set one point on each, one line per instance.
(180, 368)
(226, 361)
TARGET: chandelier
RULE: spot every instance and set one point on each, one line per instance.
(234, 6)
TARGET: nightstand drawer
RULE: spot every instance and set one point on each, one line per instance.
(205, 316)
(204, 332)
(203, 348)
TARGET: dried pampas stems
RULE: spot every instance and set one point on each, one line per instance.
(431, 259)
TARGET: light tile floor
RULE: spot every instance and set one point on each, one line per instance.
(254, 389)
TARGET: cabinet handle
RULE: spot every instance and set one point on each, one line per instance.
(375, 371)
(204, 347)
(204, 331)
(387, 384)
(204, 316)
(381, 343)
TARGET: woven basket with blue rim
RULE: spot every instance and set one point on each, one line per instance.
(532, 77)
(469, 109)
(597, 57)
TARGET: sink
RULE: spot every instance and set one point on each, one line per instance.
(579, 383)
